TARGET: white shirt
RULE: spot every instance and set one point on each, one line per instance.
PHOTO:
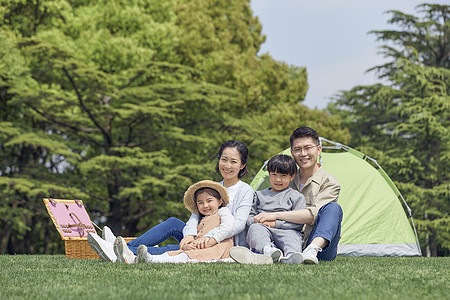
(232, 190)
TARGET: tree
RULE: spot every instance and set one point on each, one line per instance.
(124, 104)
(405, 123)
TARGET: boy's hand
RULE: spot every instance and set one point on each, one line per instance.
(264, 217)
(186, 240)
(269, 224)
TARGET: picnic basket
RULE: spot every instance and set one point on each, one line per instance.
(73, 224)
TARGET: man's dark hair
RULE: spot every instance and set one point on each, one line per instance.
(283, 164)
(302, 132)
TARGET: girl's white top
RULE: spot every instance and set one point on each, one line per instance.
(226, 225)
(241, 198)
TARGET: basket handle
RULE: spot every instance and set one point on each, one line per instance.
(79, 225)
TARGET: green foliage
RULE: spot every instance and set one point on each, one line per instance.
(405, 124)
(268, 133)
(124, 104)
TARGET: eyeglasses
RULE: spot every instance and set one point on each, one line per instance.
(307, 149)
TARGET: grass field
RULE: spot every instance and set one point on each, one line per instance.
(56, 277)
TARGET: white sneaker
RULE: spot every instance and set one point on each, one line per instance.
(142, 255)
(104, 249)
(244, 255)
(310, 254)
(124, 255)
(107, 235)
(273, 252)
(294, 258)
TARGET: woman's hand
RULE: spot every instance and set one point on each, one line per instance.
(211, 242)
(200, 243)
(186, 240)
(265, 217)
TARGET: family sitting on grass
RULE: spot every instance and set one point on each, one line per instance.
(296, 220)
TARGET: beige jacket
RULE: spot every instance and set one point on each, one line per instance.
(320, 189)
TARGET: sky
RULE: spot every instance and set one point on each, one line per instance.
(330, 38)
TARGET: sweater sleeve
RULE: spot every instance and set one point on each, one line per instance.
(241, 206)
(225, 228)
(191, 225)
(299, 202)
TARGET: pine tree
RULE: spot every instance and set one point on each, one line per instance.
(405, 123)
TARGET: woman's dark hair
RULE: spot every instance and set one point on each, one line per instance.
(209, 191)
(243, 153)
(283, 164)
(302, 132)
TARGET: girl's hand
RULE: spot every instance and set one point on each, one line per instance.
(186, 240)
(264, 217)
(188, 247)
(204, 242)
(269, 224)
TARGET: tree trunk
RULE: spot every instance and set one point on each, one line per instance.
(433, 246)
(427, 248)
(6, 233)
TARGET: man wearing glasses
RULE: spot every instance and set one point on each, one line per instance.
(322, 216)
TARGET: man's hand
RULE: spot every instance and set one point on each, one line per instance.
(186, 240)
(265, 217)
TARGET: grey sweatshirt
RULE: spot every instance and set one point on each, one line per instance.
(268, 201)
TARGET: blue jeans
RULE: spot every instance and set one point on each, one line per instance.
(328, 226)
(155, 235)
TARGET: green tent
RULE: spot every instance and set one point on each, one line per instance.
(375, 222)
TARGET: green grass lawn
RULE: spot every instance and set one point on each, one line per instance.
(56, 277)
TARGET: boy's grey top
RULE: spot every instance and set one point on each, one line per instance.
(268, 201)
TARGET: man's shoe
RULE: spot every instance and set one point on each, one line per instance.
(101, 247)
(310, 254)
(294, 258)
(107, 235)
(244, 255)
(142, 255)
(124, 255)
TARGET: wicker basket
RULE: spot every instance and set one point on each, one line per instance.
(80, 248)
(73, 224)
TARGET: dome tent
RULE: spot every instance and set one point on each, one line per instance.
(375, 222)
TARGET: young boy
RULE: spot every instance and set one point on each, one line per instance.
(323, 215)
(286, 236)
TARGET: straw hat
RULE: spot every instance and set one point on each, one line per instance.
(189, 201)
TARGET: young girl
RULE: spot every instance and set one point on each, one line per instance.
(208, 199)
(231, 165)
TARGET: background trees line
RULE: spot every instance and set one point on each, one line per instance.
(124, 104)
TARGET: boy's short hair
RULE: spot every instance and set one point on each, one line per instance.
(304, 132)
(283, 164)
